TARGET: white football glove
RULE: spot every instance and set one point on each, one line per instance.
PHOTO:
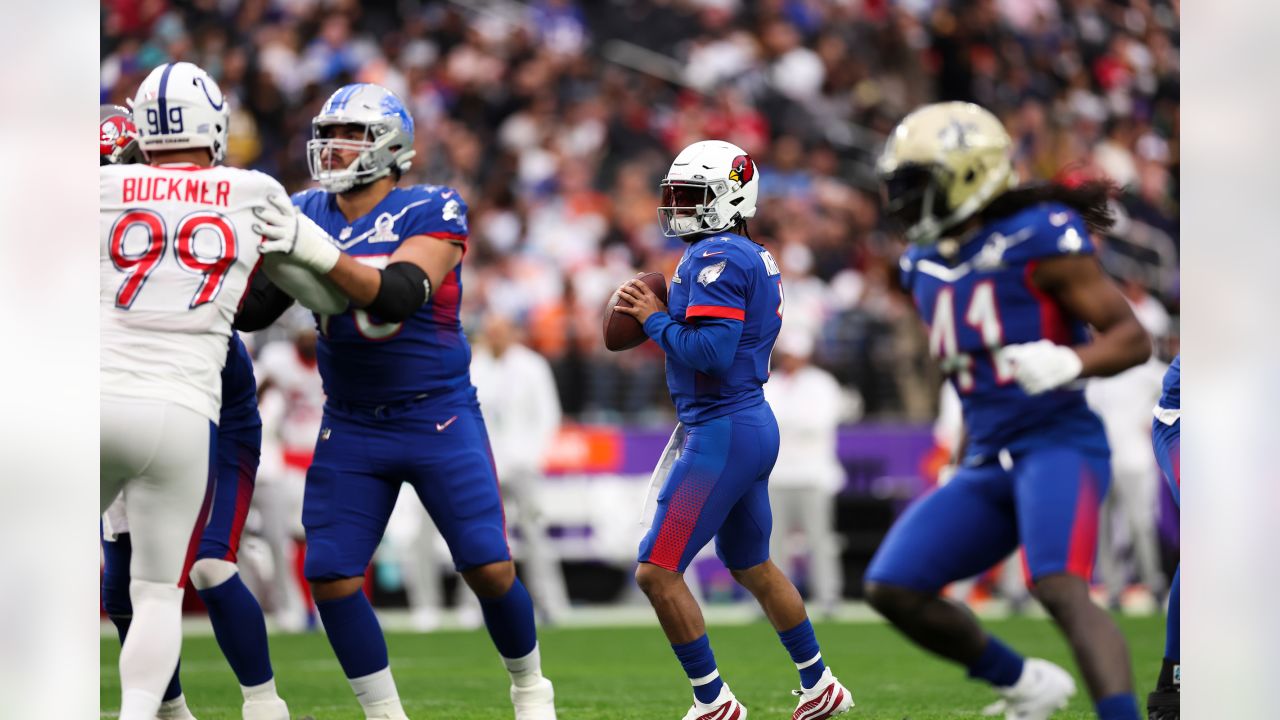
(285, 230)
(1042, 365)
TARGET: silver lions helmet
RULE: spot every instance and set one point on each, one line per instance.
(387, 144)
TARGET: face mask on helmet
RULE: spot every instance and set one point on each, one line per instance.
(914, 201)
(342, 156)
(688, 207)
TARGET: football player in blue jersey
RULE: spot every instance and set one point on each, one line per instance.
(724, 315)
(1007, 281)
(1166, 431)
(236, 617)
(400, 404)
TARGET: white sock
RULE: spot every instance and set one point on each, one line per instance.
(376, 689)
(265, 691)
(525, 671)
(138, 704)
(151, 650)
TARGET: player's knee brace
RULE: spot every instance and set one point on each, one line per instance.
(210, 572)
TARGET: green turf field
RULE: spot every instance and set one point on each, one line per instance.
(615, 673)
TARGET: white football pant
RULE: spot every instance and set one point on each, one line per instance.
(156, 455)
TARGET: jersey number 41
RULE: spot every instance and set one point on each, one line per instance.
(984, 317)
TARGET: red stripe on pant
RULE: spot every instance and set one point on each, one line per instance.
(244, 495)
(682, 517)
(1084, 528)
(193, 544)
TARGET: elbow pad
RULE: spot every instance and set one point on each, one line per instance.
(404, 289)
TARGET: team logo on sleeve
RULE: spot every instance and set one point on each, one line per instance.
(711, 273)
(1071, 242)
(451, 210)
(742, 169)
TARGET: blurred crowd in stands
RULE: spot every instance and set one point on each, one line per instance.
(556, 119)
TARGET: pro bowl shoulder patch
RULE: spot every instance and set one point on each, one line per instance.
(711, 273)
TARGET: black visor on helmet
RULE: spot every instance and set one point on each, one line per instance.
(675, 195)
(911, 192)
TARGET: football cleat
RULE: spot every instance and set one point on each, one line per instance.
(265, 709)
(724, 707)
(1042, 690)
(1163, 704)
(536, 702)
(175, 709)
(389, 709)
(827, 698)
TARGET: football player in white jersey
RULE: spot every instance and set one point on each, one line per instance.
(176, 252)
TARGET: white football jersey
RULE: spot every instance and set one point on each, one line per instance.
(280, 365)
(176, 253)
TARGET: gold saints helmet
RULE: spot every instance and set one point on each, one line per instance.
(943, 163)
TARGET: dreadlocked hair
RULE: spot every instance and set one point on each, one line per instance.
(1089, 198)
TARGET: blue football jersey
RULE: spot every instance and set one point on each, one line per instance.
(986, 299)
(365, 361)
(239, 391)
(1170, 394)
(725, 276)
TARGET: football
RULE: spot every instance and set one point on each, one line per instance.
(621, 331)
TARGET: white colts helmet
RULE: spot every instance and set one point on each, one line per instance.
(179, 107)
(711, 186)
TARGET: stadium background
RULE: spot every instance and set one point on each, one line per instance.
(555, 119)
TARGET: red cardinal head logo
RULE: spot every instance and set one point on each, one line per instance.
(742, 169)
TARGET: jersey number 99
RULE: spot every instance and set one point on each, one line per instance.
(142, 261)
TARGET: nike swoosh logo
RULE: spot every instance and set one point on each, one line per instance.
(441, 426)
(708, 253)
(446, 195)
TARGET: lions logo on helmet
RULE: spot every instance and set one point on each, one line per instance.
(941, 165)
(387, 145)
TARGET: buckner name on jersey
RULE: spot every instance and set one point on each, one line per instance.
(173, 275)
(175, 189)
(986, 298)
(365, 361)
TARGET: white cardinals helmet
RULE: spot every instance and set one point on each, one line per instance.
(711, 186)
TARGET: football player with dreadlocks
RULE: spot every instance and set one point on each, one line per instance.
(1007, 280)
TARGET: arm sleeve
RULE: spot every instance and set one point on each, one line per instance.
(719, 284)
(1059, 230)
(263, 304)
(443, 216)
(707, 347)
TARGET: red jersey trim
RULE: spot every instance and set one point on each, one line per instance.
(183, 166)
(459, 239)
(715, 311)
